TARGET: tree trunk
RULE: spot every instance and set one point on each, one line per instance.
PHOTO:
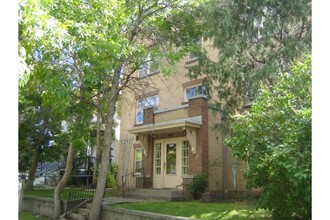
(101, 180)
(33, 168)
(97, 161)
(61, 184)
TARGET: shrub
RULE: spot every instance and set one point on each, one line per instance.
(111, 180)
(198, 186)
(275, 139)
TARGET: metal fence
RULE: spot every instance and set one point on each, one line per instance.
(80, 197)
(130, 181)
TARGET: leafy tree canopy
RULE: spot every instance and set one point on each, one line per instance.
(87, 51)
(40, 123)
(274, 138)
(257, 40)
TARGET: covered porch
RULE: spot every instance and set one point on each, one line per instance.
(166, 147)
(173, 143)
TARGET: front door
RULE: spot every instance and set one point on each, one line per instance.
(167, 163)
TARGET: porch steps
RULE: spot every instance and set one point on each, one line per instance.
(158, 194)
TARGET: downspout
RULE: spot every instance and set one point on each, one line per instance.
(224, 166)
(224, 156)
(234, 169)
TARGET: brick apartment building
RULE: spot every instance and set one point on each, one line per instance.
(166, 132)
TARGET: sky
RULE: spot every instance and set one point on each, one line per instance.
(9, 107)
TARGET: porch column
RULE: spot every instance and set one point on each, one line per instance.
(198, 107)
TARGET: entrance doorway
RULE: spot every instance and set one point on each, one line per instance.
(167, 163)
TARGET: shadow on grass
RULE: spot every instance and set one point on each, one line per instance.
(199, 210)
(235, 214)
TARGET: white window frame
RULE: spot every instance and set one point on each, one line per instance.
(136, 172)
(146, 102)
(146, 68)
(194, 86)
(158, 159)
(185, 148)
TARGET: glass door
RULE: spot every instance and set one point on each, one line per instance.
(167, 164)
(158, 181)
(171, 171)
(170, 159)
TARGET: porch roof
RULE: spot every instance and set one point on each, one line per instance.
(168, 126)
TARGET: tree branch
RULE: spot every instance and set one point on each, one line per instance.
(301, 30)
(263, 61)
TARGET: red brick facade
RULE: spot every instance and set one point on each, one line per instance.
(198, 163)
(148, 117)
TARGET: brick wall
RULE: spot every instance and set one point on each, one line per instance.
(216, 161)
(198, 163)
(148, 115)
(147, 164)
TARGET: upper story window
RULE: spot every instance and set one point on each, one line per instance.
(193, 55)
(195, 90)
(151, 101)
(149, 67)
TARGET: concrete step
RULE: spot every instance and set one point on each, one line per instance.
(87, 205)
(83, 211)
(80, 213)
(77, 216)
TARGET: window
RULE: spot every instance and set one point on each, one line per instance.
(158, 159)
(192, 55)
(148, 68)
(150, 101)
(185, 157)
(170, 158)
(138, 160)
(195, 90)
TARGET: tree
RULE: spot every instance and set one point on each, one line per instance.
(34, 120)
(97, 161)
(37, 126)
(257, 41)
(60, 186)
(274, 138)
(39, 118)
(47, 99)
(98, 47)
(76, 132)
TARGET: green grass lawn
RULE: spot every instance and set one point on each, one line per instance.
(191, 209)
(30, 216)
(49, 193)
(199, 210)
